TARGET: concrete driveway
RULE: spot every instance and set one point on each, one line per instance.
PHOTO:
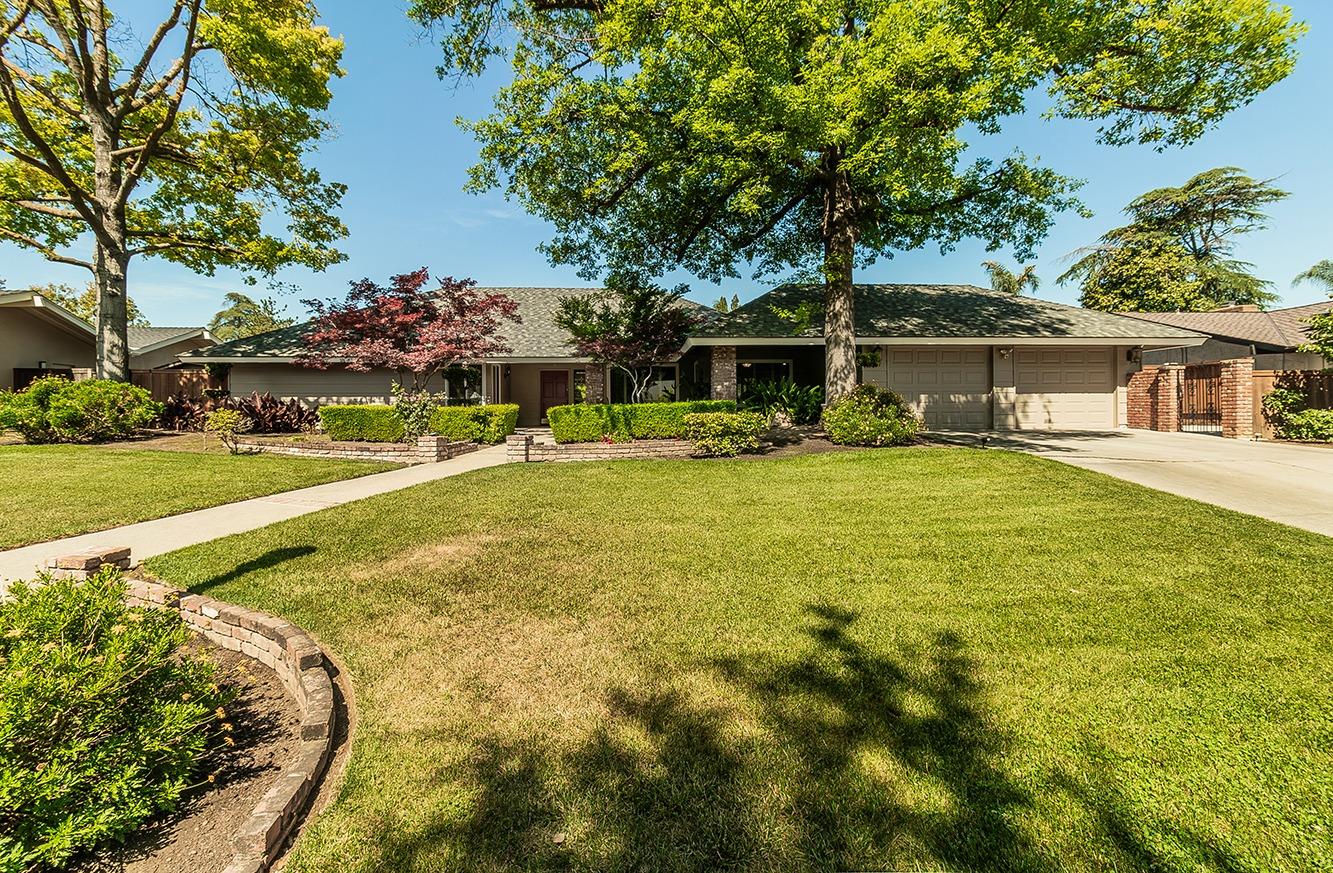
(1291, 484)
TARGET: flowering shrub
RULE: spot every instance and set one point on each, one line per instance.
(870, 416)
(56, 410)
(104, 722)
(725, 434)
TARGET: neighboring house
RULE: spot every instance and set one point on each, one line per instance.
(1271, 337)
(966, 357)
(39, 336)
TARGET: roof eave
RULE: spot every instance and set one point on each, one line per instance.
(1181, 341)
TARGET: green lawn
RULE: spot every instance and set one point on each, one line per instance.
(56, 491)
(920, 659)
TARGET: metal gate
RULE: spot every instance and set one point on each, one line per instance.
(1201, 399)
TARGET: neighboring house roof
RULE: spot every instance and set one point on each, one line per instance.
(949, 312)
(1278, 329)
(141, 339)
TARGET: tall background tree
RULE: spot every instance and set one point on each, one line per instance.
(1006, 281)
(112, 133)
(1177, 251)
(408, 327)
(84, 303)
(244, 316)
(814, 136)
(630, 326)
(1321, 326)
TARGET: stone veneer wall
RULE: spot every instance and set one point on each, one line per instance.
(596, 384)
(520, 448)
(427, 450)
(723, 365)
(283, 647)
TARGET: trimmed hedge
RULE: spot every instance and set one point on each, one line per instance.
(482, 424)
(725, 434)
(590, 423)
(367, 423)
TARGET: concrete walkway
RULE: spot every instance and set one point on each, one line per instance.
(1291, 484)
(149, 538)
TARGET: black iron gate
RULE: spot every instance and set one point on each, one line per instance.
(1201, 399)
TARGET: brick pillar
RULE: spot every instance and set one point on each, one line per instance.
(1170, 377)
(1238, 398)
(596, 384)
(1141, 403)
(724, 372)
(85, 564)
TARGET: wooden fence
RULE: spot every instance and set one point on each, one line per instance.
(166, 383)
(1317, 385)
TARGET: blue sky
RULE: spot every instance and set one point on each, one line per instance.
(405, 162)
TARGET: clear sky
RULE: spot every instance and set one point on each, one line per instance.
(405, 162)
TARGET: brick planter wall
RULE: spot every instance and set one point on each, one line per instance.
(277, 644)
(1238, 398)
(520, 448)
(426, 450)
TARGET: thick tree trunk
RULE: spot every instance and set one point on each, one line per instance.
(839, 323)
(113, 349)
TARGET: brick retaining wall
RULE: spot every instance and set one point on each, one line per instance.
(522, 447)
(277, 644)
(426, 450)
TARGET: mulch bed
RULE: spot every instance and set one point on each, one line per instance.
(198, 837)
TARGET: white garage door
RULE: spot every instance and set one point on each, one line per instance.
(1064, 388)
(948, 385)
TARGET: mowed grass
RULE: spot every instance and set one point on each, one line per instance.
(49, 492)
(921, 659)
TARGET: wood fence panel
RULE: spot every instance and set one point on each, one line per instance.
(1317, 385)
(167, 383)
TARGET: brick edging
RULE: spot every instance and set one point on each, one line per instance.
(522, 447)
(426, 450)
(300, 663)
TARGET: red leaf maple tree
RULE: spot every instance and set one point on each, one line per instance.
(408, 327)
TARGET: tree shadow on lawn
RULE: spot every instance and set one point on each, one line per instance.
(820, 781)
(271, 558)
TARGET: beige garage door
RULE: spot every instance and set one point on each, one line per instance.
(1064, 388)
(948, 385)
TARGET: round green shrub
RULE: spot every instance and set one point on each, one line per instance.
(104, 721)
(53, 409)
(870, 416)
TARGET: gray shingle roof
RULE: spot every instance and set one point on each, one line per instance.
(936, 311)
(142, 337)
(1279, 328)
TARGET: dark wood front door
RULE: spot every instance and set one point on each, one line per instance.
(555, 389)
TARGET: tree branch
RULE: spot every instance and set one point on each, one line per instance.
(47, 252)
(154, 43)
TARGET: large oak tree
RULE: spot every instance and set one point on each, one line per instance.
(174, 140)
(814, 136)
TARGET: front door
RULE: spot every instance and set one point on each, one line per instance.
(555, 389)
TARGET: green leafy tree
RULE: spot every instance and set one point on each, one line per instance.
(1320, 341)
(179, 148)
(1176, 252)
(84, 303)
(1006, 281)
(817, 135)
(244, 316)
(721, 304)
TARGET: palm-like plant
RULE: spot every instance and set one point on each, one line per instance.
(1320, 340)
(1321, 273)
(1006, 281)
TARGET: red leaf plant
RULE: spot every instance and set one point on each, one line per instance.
(408, 327)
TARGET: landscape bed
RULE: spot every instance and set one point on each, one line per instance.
(969, 659)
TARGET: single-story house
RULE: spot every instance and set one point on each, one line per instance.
(1269, 337)
(39, 336)
(965, 357)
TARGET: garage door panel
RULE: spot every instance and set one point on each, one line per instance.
(948, 387)
(1064, 388)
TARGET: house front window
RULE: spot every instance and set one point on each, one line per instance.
(661, 386)
(748, 372)
(462, 386)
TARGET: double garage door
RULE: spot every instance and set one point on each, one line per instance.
(1055, 388)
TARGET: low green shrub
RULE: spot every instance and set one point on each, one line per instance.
(104, 721)
(725, 434)
(55, 410)
(228, 424)
(482, 424)
(367, 423)
(590, 423)
(801, 403)
(1289, 412)
(870, 416)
